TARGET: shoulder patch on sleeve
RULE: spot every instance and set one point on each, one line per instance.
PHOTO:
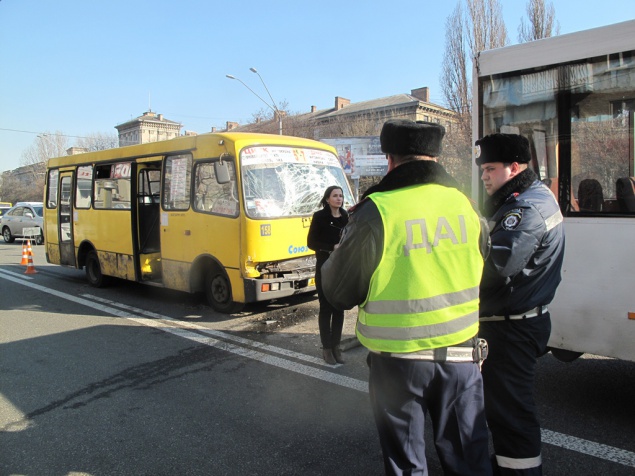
(512, 219)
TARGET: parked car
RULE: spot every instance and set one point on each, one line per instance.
(23, 215)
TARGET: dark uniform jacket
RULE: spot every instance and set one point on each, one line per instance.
(522, 271)
(347, 273)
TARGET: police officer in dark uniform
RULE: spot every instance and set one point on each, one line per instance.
(520, 279)
(411, 258)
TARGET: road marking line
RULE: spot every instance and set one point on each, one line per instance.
(17, 275)
(180, 328)
(587, 447)
(220, 334)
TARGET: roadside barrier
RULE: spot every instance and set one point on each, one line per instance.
(30, 268)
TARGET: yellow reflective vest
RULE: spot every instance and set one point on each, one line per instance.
(424, 293)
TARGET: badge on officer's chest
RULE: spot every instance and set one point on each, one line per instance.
(512, 219)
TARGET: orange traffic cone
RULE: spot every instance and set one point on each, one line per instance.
(25, 253)
(30, 269)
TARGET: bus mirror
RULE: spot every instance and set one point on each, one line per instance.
(222, 172)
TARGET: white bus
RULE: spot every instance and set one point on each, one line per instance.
(573, 97)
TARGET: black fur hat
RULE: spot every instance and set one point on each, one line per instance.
(403, 137)
(503, 148)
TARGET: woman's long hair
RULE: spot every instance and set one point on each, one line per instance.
(327, 194)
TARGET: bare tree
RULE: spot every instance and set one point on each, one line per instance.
(45, 146)
(455, 77)
(11, 190)
(266, 119)
(473, 26)
(541, 24)
(368, 124)
(27, 182)
(485, 22)
(98, 141)
(30, 177)
(456, 157)
(480, 28)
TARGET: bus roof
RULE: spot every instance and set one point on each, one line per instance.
(186, 144)
(557, 49)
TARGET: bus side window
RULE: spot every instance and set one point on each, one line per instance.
(51, 191)
(176, 187)
(112, 186)
(84, 186)
(212, 196)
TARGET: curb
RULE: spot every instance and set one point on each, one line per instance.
(349, 343)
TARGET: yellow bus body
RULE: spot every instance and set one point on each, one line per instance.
(241, 242)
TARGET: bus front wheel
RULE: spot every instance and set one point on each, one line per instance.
(93, 271)
(218, 291)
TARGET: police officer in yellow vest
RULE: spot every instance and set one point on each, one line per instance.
(411, 258)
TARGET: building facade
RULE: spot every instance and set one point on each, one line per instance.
(357, 119)
(149, 127)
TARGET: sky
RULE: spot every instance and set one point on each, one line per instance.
(82, 67)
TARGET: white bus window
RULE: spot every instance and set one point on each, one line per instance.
(51, 191)
(580, 114)
(112, 186)
(177, 182)
(84, 186)
(600, 141)
(221, 199)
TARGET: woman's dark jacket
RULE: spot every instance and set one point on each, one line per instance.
(325, 232)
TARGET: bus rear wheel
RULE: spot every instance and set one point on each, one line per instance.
(93, 271)
(218, 291)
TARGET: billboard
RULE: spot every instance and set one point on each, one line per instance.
(360, 156)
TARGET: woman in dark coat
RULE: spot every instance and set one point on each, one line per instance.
(324, 235)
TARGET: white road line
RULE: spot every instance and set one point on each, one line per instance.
(220, 334)
(609, 453)
(180, 328)
(17, 275)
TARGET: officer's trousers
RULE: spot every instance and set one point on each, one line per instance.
(403, 390)
(508, 379)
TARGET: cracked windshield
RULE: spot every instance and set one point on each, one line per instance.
(294, 187)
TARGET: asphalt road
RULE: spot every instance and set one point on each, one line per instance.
(135, 380)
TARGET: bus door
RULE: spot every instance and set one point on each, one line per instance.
(65, 219)
(147, 229)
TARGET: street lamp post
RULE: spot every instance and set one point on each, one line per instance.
(271, 106)
(253, 70)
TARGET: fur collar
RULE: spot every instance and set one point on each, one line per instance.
(518, 185)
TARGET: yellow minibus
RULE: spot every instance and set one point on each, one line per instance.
(226, 214)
